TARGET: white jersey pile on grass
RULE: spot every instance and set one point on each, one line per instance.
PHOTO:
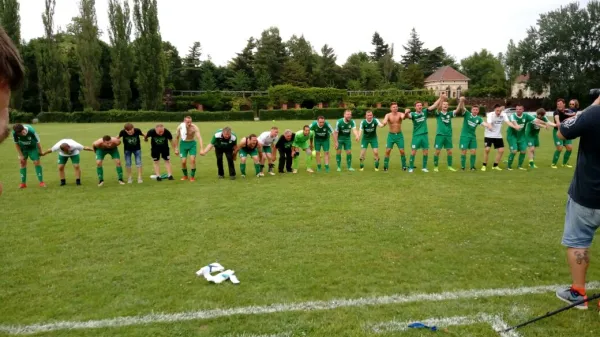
(222, 275)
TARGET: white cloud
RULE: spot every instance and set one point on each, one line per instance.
(223, 27)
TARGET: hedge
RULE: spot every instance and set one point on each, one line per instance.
(20, 117)
(329, 113)
(115, 116)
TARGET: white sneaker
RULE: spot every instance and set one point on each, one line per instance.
(425, 170)
(309, 170)
(130, 180)
(295, 171)
(411, 170)
(261, 174)
(272, 173)
(140, 180)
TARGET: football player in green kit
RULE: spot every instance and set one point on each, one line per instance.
(322, 130)
(368, 131)
(341, 138)
(443, 136)
(303, 140)
(420, 140)
(532, 134)
(468, 138)
(517, 140)
(27, 143)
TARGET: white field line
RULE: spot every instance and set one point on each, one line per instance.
(282, 334)
(494, 321)
(279, 308)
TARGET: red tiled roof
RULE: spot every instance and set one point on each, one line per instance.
(446, 73)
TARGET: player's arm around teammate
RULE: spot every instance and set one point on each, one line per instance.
(68, 149)
(108, 145)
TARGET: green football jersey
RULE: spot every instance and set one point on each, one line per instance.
(533, 129)
(522, 121)
(419, 122)
(470, 123)
(369, 128)
(29, 141)
(344, 129)
(321, 133)
(301, 138)
(444, 123)
(221, 143)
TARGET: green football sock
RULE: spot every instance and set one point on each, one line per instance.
(193, 173)
(386, 163)
(377, 164)
(309, 160)
(262, 168)
(531, 164)
(412, 161)
(319, 167)
(511, 158)
(566, 157)
(362, 162)
(327, 167)
(521, 159)
(436, 160)
(185, 172)
(463, 161)
(349, 160)
(295, 163)
(257, 168)
(403, 159)
(338, 160)
(450, 160)
(39, 173)
(243, 168)
(473, 158)
(100, 172)
(23, 172)
(120, 172)
(556, 157)
(425, 159)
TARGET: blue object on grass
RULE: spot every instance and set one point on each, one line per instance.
(419, 325)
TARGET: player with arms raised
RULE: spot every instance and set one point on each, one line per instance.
(468, 138)
(68, 149)
(368, 131)
(103, 146)
(443, 136)
(322, 130)
(341, 138)
(420, 140)
(188, 137)
(395, 137)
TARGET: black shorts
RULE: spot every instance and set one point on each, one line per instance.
(160, 152)
(497, 142)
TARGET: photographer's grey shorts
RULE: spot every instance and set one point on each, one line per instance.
(580, 225)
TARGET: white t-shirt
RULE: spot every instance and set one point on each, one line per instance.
(265, 139)
(75, 148)
(496, 122)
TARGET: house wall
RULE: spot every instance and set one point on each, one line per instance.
(440, 86)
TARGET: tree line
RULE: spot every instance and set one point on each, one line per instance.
(73, 70)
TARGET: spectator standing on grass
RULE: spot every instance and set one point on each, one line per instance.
(11, 78)
(583, 204)
(225, 143)
(132, 147)
(284, 147)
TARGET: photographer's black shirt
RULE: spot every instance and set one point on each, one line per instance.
(562, 115)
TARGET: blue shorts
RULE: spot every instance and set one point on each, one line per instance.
(138, 158)
(580, 225)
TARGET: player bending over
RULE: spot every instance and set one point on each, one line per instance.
(303, 141)
(267, 141)
(27, 143)
(159, 148)
(532, 134)
(68, 149)
(322, 130)
(248, 147)
(132, 147)
(103, 146)
(341, 138)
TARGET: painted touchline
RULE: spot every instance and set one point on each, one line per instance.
(278, 308)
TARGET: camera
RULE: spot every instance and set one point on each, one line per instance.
(594, 93)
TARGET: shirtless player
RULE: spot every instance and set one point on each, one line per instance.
(102, 147)
(187, 134)
(395, 136)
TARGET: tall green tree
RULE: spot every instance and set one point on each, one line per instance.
(87, 46)
(11, 21)
(192, 73)
(413, 51)
(208, 81)
(327, 73)
(412, 77)
(434, 59)
(244, 63)
(51, 63)
(381, 48)
(174, 65)
(150, 57)
(302, 53)
(119, 32)
(562, 51)
(270, 55)
(487, 74)
(293, 73)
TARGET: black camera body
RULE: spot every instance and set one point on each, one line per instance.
(594, 93)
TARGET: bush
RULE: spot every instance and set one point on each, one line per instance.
(20, 117)
(117, 116)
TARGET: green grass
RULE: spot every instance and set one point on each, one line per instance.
(84, 253)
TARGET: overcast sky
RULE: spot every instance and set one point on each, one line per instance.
(223, 27)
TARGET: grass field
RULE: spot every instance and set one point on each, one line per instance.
(73, 254)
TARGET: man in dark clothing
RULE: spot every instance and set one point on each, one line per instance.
(284, 147)
(583, 204)
(225, 142)
(160, 138)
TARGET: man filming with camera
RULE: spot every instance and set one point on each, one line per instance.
(583, 204)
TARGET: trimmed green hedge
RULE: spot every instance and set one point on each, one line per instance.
(328, 113)
(20, 117)
(114, 116)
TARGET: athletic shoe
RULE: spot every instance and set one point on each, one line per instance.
(567, 166)
(43, 184)
(462, 168)
(509, 169)
(522, 169)
(484, 168)
(221, 177)
(22, 186)
(376, 170)
(140, 180)
(309, 170)
(362, 169)
(404, 168)
(295, 171)
(350, 169)
(129, 180)
(100, 183)
(272, 173)
(62, 183)
(258, 175)
(121, 182)
(534, 166)
(326, 170)
(192, 179)
(425, 170)
(243, 176)
(261, 174)
(158, 178)
(450, 168)
(184, 178)
(171, 178)
(436, 169)
(231, 177)
(497, 168)
(553, 166)
(571, 296)
(473, 169)
(410, 170)
(339, 169)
